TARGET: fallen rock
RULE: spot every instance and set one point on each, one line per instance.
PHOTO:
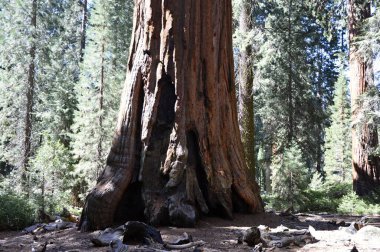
(251, 236)
(104, 238)
(352, 229)
(337, 222)
(118, 246)
(58, 225)
(282, 236)
(41, 247)
(32, 229)
(258, 248)
(183, 239)
(141, 233)
(367, 234)
(279, 229)
(370, 220)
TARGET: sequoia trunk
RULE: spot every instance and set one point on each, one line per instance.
(177, 151)
(246, 89)
(366, 167)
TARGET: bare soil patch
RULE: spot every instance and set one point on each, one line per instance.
(219, 235)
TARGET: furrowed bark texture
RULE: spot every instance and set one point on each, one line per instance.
(365, 167)
(246, 89)
(177, 151)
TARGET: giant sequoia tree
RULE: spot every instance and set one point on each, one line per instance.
(177, 151)
(366, 167)
(246, 85)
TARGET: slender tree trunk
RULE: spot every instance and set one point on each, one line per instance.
(366, 167)
(83, 30)
(321, 128)
(268, 170)
(29, 102)
(246, 90)
(177, 151)
(342, 163)
(290, 78)
(101, 110)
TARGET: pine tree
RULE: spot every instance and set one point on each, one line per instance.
(290, 178)
(17, 33)
(296, 73)
(99, 89)
(50, 170)
(337, 148)
(37, 88)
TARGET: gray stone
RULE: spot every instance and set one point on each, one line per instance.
(368, 233)
(251, 236)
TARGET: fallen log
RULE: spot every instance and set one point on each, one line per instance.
(104, 238)
(184, 246)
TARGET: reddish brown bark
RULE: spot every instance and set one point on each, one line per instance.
(177, 151)
(246, 88)
(366, 167)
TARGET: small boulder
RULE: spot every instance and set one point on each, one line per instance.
(368, 234)
(352, 229)
(118, 246)
(141, 233)
(251, 236)
(183, 239)
(104, 238)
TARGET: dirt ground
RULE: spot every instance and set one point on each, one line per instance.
(219, 235)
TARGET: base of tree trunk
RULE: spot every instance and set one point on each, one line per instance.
(177, 152)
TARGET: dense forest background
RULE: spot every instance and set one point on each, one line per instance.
(62, 68)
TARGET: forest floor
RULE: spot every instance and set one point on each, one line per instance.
(219, 235)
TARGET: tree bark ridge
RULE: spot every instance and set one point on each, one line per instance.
(190, 160)
(365, 167)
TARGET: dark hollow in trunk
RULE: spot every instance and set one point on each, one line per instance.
(177, 152)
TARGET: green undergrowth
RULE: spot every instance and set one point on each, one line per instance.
(16, 212)
(332, 198)
(353, 204)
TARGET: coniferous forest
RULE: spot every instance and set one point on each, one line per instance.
(168, 112)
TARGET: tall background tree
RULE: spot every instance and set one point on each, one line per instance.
(365, 164)
(337, 150)
(244, 34)
(98, 91)
(38, 90)
(61, 68)
(295, 80)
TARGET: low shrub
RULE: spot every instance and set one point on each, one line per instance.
(353, 204)
(16, 212)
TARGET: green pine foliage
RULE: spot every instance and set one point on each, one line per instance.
(16, 37)
(289, 178)
(56, 69)
(295, 76)
(324, 196)
(338, 135)
(98, 92)
(302, 111)
(50, 173)
(353, 204)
